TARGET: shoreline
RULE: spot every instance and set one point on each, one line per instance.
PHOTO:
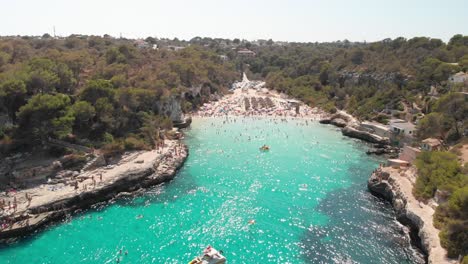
(136, 171)
(406, 209)
(395, 186)
(424, 236)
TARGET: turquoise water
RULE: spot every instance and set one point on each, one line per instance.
(307, 196)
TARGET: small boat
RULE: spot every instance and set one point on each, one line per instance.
(210, 256)
(265, 148)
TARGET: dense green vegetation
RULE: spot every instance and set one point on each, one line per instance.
(441, 171)
(438, 170)
(96, 91)
(370, 80)
(115, 95)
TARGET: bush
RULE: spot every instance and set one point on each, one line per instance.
(132, 143)
(383, 119)
(6, 144)
(330, 108)
(453, 237)
(437, 170)
(58, 151)
(441, 171)
(73, 161)
(107, 138)
(113, 149)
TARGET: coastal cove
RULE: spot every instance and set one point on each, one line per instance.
(307, 195)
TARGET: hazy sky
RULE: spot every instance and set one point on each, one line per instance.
(292, 20)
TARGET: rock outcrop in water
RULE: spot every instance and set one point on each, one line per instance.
(349, 127)
(396, 187)
(364, 135)
(380, 149)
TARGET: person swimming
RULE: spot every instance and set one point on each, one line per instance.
(265, 148)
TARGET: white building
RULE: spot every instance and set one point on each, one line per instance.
(402, 127)
(246, 53)
(459, 77)
(431, 144)
(141, 44)
(175, 48)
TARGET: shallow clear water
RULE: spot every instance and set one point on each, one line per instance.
(307, 196)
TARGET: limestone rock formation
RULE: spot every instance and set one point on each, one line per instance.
(364, 135)
(397, 189)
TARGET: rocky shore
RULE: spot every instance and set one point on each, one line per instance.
(395, 186)
(142, 169)
(350, 127)
(364, 135)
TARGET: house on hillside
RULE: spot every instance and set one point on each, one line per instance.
(459, 77)
(402, 127)
(431, 144)
(175, 48)
(141, 44)
(406, 157)
(246, 53)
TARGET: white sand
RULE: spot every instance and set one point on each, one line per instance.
(234, 105)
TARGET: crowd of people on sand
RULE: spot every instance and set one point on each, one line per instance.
(9, 206)
(272, 106)
(173, 153)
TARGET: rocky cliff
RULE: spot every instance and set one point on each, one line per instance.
(396, 186)
(364, 135)
(350, 78)
(349, 127)
(171, 108)
(130, 180)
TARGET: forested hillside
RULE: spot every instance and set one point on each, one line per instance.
(117, 94)
(369, 80)
(99, 91)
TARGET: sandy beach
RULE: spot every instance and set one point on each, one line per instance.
(259, 102)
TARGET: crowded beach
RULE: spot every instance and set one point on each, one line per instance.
(251, 98)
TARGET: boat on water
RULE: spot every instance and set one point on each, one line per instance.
(210, 256)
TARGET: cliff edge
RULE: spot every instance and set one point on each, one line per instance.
(395, 185)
